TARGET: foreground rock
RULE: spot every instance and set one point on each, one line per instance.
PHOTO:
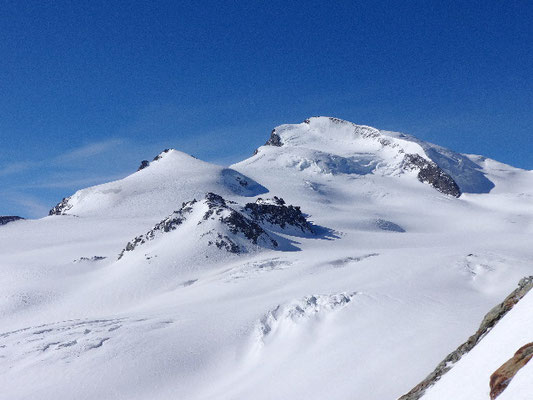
(490, 320)
(503, 375)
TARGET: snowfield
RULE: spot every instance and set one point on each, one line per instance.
(385, 268)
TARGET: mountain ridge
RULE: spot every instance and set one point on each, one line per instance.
(334, 146)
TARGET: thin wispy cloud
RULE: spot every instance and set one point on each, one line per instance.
(88, 151)
(18, 167)
(33, 206)
(71, 182)
(78, 154)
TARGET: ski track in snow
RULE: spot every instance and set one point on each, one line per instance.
(69, 340)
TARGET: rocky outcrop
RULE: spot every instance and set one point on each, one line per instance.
(170, 223)
(6, 219)
(503, 376)
(490, 320)
(144, 164)
(432, 174)
(274, 139)
(62, 207)
(160, 155)
(230, 225)
(236, 222)
(276, 212)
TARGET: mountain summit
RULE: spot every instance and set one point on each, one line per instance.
(339, 146)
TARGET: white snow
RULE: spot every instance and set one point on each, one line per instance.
(178, 319)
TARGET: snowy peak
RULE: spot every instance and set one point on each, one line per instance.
(145, 163)
(333, 146)
(329, 134)
(152, 191)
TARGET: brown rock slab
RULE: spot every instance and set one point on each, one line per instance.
(501, 378)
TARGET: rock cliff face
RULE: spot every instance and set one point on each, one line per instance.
(8, 218)
(236, 222)
(502, 377)
(490, 320)
(432, 174)
(276, 212)
(274, 139)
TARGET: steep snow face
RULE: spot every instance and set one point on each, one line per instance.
(173, 177)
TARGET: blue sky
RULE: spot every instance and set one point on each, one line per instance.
(88, 89)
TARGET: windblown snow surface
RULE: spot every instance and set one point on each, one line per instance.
(136, 291)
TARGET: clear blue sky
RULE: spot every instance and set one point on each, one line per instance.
(88, 89)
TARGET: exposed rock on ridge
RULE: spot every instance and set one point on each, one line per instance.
(432, 174)
(490, 320)
(160, 155)
(274, 139)
(62, 207)
(144, 164)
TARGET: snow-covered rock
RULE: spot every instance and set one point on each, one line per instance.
(214, 221)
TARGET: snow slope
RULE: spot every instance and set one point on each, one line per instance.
(391, 275)
(172, 178)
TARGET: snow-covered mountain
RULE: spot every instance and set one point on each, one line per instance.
(338, 261)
